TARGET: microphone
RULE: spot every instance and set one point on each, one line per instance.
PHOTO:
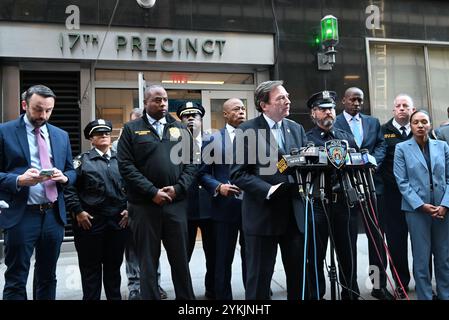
(295, 152)
(322, 185)
(371, 162)
(367, 158)
(350, 191)
(308, 181)
(290, 161)
(360, 183)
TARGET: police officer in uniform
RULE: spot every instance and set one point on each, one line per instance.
(157, 181)
(98, 203)
(199, 201)
(396, 130)
(322, 111)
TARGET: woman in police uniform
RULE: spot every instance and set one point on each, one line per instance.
(98, 202)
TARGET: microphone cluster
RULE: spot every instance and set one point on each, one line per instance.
(313, 162)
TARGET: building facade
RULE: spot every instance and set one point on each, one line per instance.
(91, 54)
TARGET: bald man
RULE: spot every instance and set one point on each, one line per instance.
(226, 200)
(396, 130)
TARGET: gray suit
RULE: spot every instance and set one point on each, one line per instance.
(422, 183)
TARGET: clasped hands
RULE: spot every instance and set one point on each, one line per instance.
(435, 211)
(165, 195)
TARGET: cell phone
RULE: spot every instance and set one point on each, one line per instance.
(46, 172)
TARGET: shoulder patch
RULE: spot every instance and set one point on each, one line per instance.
(77, 160)
(76, 163)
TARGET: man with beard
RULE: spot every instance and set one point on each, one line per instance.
(368, 135)
(35, 166)
(322, 112)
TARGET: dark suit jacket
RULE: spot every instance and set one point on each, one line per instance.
(198, 199)
(373, 140)
(15, 160)
(224, 209)
(260, 216)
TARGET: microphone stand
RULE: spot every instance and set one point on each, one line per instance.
(327, 207)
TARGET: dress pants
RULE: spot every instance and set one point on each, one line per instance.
(226, 234)
(429, 236)
(261, 257)
(100, 256)
(150, 224)
(208, 239)
(44, 232)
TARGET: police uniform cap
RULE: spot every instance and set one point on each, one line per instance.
(189, 108)
(322, 99)
(97, 125)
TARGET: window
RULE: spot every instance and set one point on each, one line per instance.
(396, 69)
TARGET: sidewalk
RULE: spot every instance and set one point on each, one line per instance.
(69, 284)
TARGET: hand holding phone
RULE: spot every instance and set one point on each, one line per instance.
(46, 172)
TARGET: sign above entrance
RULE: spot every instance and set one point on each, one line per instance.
(129, 44)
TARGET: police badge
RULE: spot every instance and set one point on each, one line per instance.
(174, 132)
(336, 151)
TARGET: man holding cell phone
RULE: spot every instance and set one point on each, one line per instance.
(35, 165)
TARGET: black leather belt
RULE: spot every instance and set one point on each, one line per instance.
(41, 207)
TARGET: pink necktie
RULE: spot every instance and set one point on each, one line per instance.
(51, 191)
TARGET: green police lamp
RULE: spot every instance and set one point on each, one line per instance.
(329, 31)
(329, 39)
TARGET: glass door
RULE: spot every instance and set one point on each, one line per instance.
(213, 104)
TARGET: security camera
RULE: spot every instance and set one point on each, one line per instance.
(146, 3)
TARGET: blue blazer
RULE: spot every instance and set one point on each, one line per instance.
(15, 160)
(224, 209)
(412, 175)
(373, 140)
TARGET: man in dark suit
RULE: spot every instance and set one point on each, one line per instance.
(273, 213)
(226, 198)
(157, 184)
(198, 200)
(368, 135)
(35, 165)
(396, 130)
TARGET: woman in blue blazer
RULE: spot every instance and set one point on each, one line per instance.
(421, 168)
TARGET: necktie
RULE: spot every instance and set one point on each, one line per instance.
(278, 135)
(51, 191)
(159, 128)
(356, 131)
(404, 133)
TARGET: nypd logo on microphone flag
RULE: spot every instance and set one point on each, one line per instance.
(336, 151)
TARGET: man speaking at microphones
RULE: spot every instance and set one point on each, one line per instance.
(271, 213)
(322, 112)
